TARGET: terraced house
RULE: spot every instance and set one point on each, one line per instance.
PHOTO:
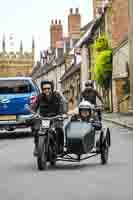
(120, 55)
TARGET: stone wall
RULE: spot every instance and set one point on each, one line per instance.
(120, 73)
(71, 90)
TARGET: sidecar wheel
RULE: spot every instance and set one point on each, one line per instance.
(108, 137)
(42, 157)
(104, 153)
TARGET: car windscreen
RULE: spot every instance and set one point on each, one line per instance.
(15, 86)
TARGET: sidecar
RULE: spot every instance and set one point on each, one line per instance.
(85, 140)
(80, 137)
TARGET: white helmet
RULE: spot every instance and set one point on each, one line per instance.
(85, 105)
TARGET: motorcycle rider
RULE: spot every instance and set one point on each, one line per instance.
(48, 102)
(90, 94)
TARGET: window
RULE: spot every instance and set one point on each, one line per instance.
(126, 87)
(15, 86)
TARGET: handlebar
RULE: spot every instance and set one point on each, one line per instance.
(37, 115)
(50, 116)
(55, 117)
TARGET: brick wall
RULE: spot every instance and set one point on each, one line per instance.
(119, 21)
(56, 33)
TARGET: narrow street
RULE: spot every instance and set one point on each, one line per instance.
(20, 178)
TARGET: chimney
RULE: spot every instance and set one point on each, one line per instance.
(56, 33)
(74, 24)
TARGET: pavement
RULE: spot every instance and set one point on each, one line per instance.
(125, 120)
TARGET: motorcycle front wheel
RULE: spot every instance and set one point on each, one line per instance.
(42, 153)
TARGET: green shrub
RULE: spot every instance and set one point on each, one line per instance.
(103, 62)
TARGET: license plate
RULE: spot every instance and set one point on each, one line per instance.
(45, 123)
(7, 117)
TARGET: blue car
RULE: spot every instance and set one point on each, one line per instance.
(15, 94)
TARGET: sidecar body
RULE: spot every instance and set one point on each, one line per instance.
(80, 137)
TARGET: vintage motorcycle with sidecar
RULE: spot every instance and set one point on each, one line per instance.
(83, 140)
(88, 139)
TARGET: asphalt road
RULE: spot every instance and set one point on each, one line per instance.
(88, 180)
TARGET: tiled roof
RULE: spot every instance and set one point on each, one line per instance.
(88, 35)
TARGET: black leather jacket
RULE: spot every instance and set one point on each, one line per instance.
(90, 94)
(55, 105)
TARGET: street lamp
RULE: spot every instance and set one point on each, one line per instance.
(130, 46)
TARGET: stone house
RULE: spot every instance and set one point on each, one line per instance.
(120, 77)
(70, 84)
(116, 22)
(73, 80)
(52, 71)
(120, 55)
(77, 72)
(60, 46)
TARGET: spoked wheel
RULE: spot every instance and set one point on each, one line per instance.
(108, 137)
(42, 155)
(52, 153)
(105, 143)
(104, 152)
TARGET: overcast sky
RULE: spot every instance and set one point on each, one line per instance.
(24, 18)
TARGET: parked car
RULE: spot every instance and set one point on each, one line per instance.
(15, 94)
